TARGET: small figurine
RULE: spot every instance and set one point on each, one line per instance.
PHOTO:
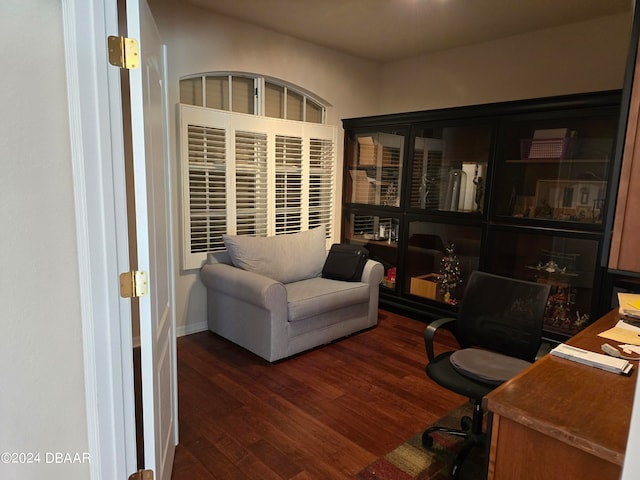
(391, 196)
(544, 210)
(424, 190)
(479, 183)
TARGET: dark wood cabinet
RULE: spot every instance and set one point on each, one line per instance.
(518, 188)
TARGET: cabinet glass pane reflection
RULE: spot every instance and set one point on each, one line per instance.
(380, 236)
(449, 168)
(568, 264)
(375, 162)
(439, 259)
(556, 170)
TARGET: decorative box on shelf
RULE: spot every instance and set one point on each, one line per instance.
(545, 148)
(425, 285)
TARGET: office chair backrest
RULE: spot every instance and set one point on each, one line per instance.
(502, 314)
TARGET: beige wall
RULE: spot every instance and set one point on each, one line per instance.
(582, 57)
(42, 404)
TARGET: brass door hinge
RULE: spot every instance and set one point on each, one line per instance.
(142, 475)
(134, 284)
(123, 52)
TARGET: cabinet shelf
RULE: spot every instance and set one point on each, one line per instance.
(558, 160)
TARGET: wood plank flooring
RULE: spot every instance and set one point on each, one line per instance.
(324, 414)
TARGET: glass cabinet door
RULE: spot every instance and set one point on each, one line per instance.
(449, 167)
(556, 169)
(374, 165)
(568, 264)
(439, 259)
(379, 234)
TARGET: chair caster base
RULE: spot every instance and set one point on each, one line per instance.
(471, 433)
(466, 423)
(427, 440)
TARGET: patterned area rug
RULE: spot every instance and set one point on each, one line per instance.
(412, 461)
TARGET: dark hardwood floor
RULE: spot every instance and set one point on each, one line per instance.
(324, 414)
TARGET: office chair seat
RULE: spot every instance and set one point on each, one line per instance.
(485, 366)
(442, 371)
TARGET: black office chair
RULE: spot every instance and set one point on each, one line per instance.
(499, 329)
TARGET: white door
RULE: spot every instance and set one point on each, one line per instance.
(153, 241)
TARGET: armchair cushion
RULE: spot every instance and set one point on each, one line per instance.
(316, 296)
(285, 258)
(486, 366)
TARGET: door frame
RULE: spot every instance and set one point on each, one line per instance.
(97, 151)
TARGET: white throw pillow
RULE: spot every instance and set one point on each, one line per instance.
(286, 258)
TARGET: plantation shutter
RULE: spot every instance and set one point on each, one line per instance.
(251, 183)
(321, 181)
(251, 175)
(206, 184)
(288, 207)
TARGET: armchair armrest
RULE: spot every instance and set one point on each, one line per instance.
(430, 332)
(246, 286)
(372, 273)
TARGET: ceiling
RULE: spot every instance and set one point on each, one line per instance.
(390, 30)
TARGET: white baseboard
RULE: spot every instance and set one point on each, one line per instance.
(192, 328)
(180, 331)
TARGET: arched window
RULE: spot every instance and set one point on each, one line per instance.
(256, 159)
(243, 93)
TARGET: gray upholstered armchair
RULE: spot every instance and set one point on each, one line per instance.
(266, 294)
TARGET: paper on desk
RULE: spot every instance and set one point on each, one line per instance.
(629, 304)
(623, 333)
(586, 357)
(630, 348)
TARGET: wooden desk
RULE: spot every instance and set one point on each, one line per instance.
(559, 419)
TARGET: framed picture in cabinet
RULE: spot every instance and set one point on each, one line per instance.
(570, 200)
